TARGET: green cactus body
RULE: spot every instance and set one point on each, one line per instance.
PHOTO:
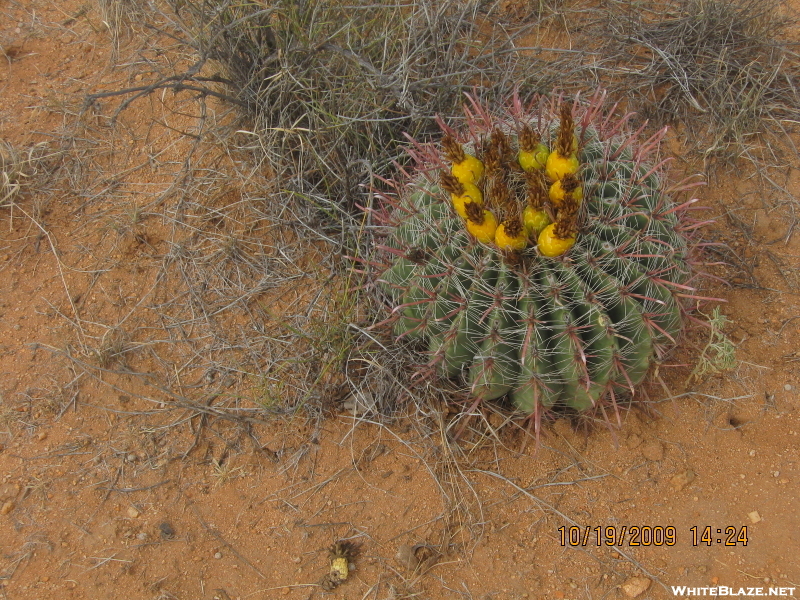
(494, 369)
(574, 330)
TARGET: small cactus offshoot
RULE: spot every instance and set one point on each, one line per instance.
(559, 279)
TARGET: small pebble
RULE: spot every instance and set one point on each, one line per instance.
(633, 441)
(682, 479)
(218, 555)
(653, 450)
(7, 508)
(42, 435)
(131, 457)
(788, 387)
(8, 491)
(754, 516)
(132, 512)
(752, 452)
(635, 586)
(141, 536)
(166, 530)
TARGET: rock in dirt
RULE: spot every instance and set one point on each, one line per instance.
(360, 404)
(633, 441)
(635, 586)
(682, 479)
(8, 491)
(418, 558)
(7, 508)
(132, 512)
(753, 516)
(653, 450)
(167, 531)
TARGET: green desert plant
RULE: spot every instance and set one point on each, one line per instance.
(719, 353)
(540, 254)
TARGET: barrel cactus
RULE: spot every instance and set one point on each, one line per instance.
(538, 253)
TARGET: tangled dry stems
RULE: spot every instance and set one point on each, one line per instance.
(15, 167)
(330, 90)
(727, 69)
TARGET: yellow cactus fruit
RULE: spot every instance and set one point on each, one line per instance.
(537, 159)
(558, 166)
(568, 185)
(563, 160)
(510, 235)
(532, 152)
(465, 167)
(481, 223)
(470, 193)
(551, 245)
(468, 171)
(534, 220)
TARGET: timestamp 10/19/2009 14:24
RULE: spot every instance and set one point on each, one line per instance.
(647, 535)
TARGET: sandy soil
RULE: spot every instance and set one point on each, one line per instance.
(110, 488)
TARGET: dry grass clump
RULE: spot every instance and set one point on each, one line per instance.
(329, 90)
(120, 15)
(14, 168)
(728, 69)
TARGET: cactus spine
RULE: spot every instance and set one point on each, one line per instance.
(558, 279)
